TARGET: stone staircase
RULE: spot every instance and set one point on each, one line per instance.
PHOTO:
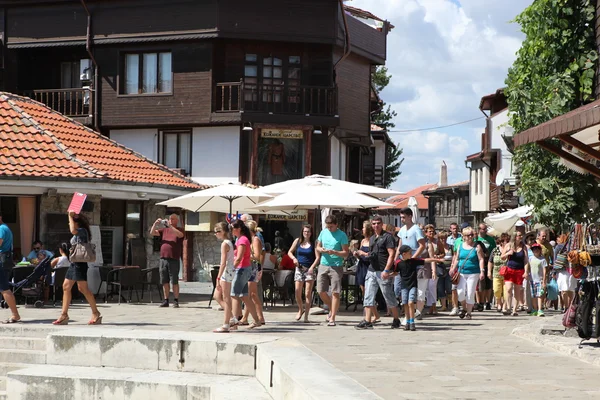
(106, 363)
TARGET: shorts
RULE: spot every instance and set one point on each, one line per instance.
(329, 276)
(514, 275)
(361, 274)
(498, 287)
(422, 289)
(239, 285)
(4, 285)
(253, 272)
(536, 289)
(77, 272)
(302, 275)
(169, 271)
(485, 284)
(566, 282)
(228, 274)
(409, 295)
(373, 282)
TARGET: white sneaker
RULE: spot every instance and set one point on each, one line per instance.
(454, 312)
(402, 321)
(418, 315)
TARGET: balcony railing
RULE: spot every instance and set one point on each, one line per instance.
(76, 102)
(276, 99)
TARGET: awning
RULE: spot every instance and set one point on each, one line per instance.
(579, 134)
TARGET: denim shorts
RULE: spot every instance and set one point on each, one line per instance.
(373, 281)
(254, 272)
(4, 259)
(409, 295)
(239, 286)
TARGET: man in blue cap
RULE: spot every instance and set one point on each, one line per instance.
(6, 262)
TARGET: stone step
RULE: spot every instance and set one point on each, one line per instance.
(7, 367)
(22, 356)
(58, 382)
(28, 330)
(2, 383)
(26, 343)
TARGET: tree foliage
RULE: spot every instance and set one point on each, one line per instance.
(553, 74)
(385, 119)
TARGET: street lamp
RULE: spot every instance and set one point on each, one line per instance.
(506, 185)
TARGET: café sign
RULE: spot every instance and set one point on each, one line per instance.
(270, 133)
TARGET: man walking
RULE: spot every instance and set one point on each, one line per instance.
(171, 244)
(332, 250)
(6, 263)
(382, 250)
(484, 294)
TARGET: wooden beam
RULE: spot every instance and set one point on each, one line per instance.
(571, 158)
(580, 146)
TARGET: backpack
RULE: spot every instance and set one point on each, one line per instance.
(584, 318)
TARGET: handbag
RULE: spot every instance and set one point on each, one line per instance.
(552, 289)
(456, 275)
(568, 320)
(82, 251)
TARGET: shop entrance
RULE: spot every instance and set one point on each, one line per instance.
(20, 215)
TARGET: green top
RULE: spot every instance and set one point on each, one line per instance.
(498, 262)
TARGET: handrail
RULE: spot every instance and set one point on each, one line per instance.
(72, 102)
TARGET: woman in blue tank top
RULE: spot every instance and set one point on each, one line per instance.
(303, 254)
(470, 264)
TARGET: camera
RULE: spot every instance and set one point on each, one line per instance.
(164, 223)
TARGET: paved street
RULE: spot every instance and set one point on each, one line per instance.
(445, 358)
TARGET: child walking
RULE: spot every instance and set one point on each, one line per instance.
(538, 267)
(407, 268)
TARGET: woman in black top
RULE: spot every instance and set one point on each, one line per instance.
(80, 228)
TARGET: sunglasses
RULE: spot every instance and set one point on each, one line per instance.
(37, 248)
(471, 235)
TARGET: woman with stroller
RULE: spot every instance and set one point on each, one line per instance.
(80, 228)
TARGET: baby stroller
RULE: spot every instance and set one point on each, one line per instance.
(33, 285)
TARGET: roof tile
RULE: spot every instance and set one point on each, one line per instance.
(36, 141)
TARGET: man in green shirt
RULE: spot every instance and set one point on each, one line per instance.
(484, 294)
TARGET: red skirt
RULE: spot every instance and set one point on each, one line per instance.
(514, 275)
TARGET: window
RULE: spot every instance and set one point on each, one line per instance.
(272, 76)
(133, 219)
(148, 73)
(177, 149)
(69, 75)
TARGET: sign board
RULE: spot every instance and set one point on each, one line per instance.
(282, 133)
(292, 216)
(77, 202)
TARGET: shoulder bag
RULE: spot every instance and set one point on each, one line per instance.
(82, 251)
(456, 275)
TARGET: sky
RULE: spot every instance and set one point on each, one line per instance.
(444, 55)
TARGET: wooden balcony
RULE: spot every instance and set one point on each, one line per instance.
(275, 99)
(73, 103)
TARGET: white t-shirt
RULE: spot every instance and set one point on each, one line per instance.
(537, 268)
(63, 261)
(230, 256)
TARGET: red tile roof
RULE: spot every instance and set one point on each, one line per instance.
(401, 200)
(39, 143)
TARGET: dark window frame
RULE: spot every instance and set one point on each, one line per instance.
(123, 73)
(163, 149)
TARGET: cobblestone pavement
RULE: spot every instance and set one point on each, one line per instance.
(445, 358)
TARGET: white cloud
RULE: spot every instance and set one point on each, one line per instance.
(443, 57)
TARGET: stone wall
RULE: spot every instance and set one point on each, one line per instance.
(207, 249)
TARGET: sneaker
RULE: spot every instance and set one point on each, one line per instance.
(479, 307)
(407, 327)
(396, 323)
(364, 325)
(418, 315)
(488, 306)
(413, 327)
(176, 304)
(541, 314)
(462, 314)
(534, 313)
(454, 312)
(165, 303)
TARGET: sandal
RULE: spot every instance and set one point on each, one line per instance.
(97, 321)
(262, 322)
(253, 325)
(468, 316)
(12, 320)
(221, 329)
(506, 312)
(331, 323)
(243, 323)
(515, 314)
(63, 320)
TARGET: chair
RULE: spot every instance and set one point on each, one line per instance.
(286, 291)
(128, 277)
(151, 277)
(268, 285)
(214, 273)
(59, 279)
(104, 271)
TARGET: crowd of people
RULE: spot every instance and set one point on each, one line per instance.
(417, 271)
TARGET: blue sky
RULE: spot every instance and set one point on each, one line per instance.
(444, 55)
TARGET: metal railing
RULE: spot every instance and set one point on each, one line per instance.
(276, 99)
(76, 102)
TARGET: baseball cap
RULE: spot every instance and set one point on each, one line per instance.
(536, 246)
(404, 248)
(520, 223)
(464, 225)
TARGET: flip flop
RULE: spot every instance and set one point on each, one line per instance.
(331, 323)
(11, 320)
(244, 323)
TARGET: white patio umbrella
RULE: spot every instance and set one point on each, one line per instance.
(284, 187)
(319, 195)
(223, 198)
(505, 222)
(414, 207)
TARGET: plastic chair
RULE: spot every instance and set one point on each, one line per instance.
(59, 279)
(268, 285)
(151, 277)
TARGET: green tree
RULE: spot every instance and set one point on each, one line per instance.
(385, 119)
(553, 74)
